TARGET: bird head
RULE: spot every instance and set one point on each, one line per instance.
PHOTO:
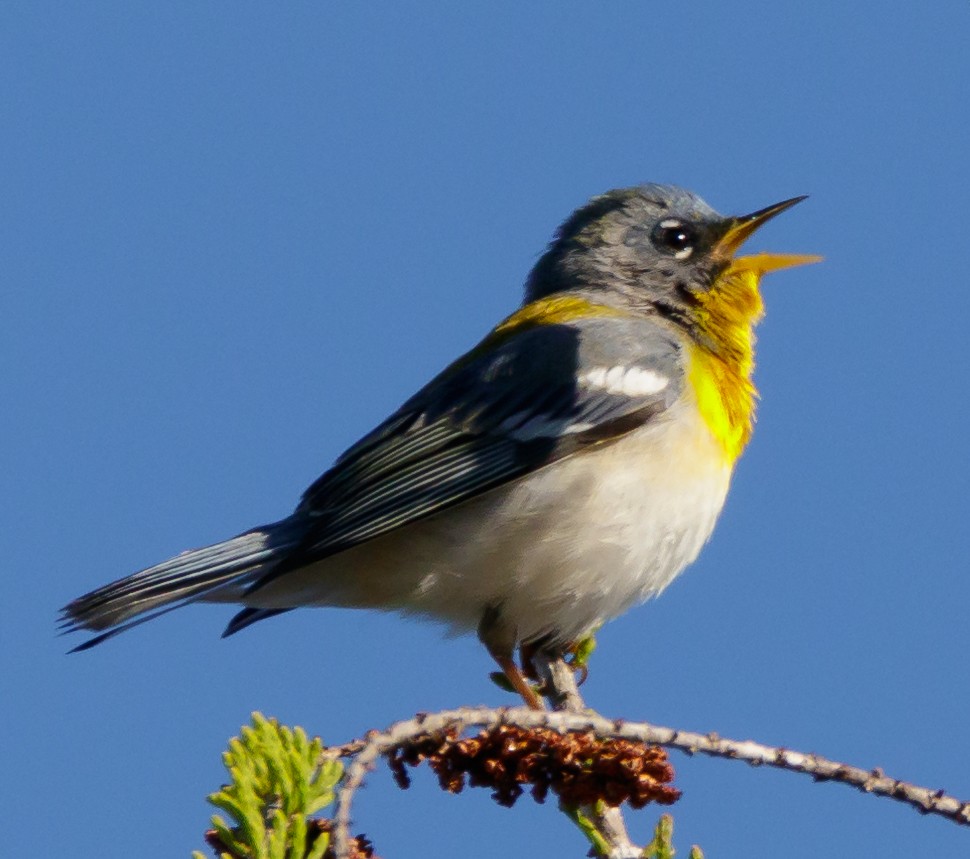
(657, 248)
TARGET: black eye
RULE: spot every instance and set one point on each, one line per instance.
(675, 237)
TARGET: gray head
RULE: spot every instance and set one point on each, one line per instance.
(650, 245)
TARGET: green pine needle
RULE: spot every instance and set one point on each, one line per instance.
(276, 782)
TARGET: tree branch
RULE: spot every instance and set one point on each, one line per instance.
(376, 744)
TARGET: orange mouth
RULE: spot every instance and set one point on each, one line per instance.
(742, 228)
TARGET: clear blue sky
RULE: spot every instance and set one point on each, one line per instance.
(234, 236)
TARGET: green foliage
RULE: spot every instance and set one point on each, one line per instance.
(277, 781)
(582, 650)
(600, 846)
(500, 680)
(662, 845)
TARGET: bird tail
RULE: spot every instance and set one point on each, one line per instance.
(192, 576)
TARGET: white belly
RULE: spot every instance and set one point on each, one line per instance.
(557, 552)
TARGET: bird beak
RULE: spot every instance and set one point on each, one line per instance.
(740, 230)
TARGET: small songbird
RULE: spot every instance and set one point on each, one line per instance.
(569, 466)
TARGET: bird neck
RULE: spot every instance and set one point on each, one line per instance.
(552, 310)
(722, 356)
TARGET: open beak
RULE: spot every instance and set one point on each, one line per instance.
(740, 230)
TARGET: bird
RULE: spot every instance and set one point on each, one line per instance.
(566, 468)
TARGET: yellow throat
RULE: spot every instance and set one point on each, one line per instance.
(721, 375)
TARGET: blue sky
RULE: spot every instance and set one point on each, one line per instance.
(234, 236)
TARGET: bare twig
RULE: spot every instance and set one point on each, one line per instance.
(924, 799)
(559, 682)
(347, 750)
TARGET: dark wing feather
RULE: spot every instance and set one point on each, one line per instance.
(489, 419)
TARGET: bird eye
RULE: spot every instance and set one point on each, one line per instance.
(675, 237)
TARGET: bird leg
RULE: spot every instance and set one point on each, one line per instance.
(499, 640)
(518, 680)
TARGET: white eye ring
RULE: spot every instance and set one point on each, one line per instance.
(675, 237)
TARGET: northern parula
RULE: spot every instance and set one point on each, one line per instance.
(566, 468)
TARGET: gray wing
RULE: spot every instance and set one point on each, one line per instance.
(490, 418)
